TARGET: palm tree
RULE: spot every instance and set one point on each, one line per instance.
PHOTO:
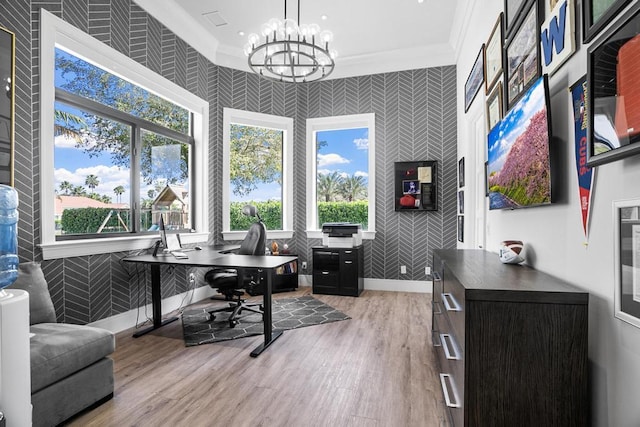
(119, 190)
(63, 125)
(328, 185)
(353, 188)
(78, 190)
(66, 187)
(92, 182)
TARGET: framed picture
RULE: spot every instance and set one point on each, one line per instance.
(475, 80)
(461, 201)
(460, 228)
(495, 111)
(613, 130)
(557, 34)
(493, 56)
(7, 105)
(512, 10)
(416, 186)
(522, 62)
(627, 260)
(596, 14)
(461, 172)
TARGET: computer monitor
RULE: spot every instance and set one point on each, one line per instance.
(170, 241)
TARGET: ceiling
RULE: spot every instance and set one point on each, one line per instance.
(371, 36)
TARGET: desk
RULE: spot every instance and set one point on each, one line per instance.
(214, 257)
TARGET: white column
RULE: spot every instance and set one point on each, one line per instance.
(15, 358)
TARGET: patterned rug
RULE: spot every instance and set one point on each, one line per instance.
(288, 313)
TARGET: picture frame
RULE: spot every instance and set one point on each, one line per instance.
(416, 186)
(461, 201)
(493, 55)
(460, 228)
(495, 110)
(557, 35)
(613, 131)
(7, 106)
(512, 9)
(474, 80)
(486, 179)
(461, 172)
(523, 56)
(626, 214)
(597, 14)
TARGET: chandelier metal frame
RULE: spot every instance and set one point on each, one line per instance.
(290, 52)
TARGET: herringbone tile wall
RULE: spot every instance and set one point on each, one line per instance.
(415, 120)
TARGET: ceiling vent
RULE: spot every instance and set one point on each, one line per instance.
(215, 18)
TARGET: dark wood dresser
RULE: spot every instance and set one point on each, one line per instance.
(511, 343)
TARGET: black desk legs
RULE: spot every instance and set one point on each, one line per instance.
(269, 334)
(156, 303)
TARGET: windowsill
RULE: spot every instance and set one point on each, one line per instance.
(85, 247)
(317, 234)
(271, 234)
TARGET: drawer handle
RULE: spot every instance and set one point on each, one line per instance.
(444, 379)
(435, 307)
(450, 303)
(348, 252)
(325, 273)
(449, 354)
(436, 276)
(435, 338)
(348, 262)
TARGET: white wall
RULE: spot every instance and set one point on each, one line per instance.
(553, 235)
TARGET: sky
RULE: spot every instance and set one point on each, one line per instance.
(504, 134)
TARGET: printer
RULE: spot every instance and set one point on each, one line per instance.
(341, 234)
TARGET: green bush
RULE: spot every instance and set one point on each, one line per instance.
(356, 212)
(88, 220)
(271, 214)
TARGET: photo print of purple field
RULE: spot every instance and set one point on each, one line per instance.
(519, 172)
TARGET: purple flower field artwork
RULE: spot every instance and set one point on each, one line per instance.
(518, 151)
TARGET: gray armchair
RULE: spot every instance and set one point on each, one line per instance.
(233, 282)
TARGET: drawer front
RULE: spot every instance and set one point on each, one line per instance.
(326, 281)
(453, 302)
(452, 399)
(451, 363)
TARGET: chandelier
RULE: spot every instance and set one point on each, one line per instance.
(290, 52)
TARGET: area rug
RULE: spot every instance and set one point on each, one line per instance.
(288, 313)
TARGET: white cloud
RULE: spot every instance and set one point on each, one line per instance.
(109, 177)
(361, 173)
(331, 159)
(361, 143)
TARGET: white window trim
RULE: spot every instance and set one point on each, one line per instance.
(250, 118)
(335, 123)
(54, 32)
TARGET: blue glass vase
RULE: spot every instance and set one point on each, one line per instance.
(8, 236)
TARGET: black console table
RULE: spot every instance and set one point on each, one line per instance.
(511, 343)
(338, 271)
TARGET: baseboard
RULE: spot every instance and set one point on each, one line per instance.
(420, 286)
(127, 320)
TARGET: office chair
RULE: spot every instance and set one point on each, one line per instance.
(231, 282)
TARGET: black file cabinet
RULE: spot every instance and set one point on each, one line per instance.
(338, 271)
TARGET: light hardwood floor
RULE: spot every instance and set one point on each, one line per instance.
(376, 369)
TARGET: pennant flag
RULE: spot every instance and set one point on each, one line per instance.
(585, 174)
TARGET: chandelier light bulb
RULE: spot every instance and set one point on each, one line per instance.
(247, 49)
(304, 30)
(333, 54)
(314, 29)
(253, 39)
(290, 27)
(326, 36)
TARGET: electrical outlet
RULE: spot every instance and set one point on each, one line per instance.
(304, 265)
(403, 269)
(427, 271)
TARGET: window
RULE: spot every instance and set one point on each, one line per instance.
(341, 165)
(119, 148)
(257, 159)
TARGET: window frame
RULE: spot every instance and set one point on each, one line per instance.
(54, 32)
(250, 118)
(318, 124)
